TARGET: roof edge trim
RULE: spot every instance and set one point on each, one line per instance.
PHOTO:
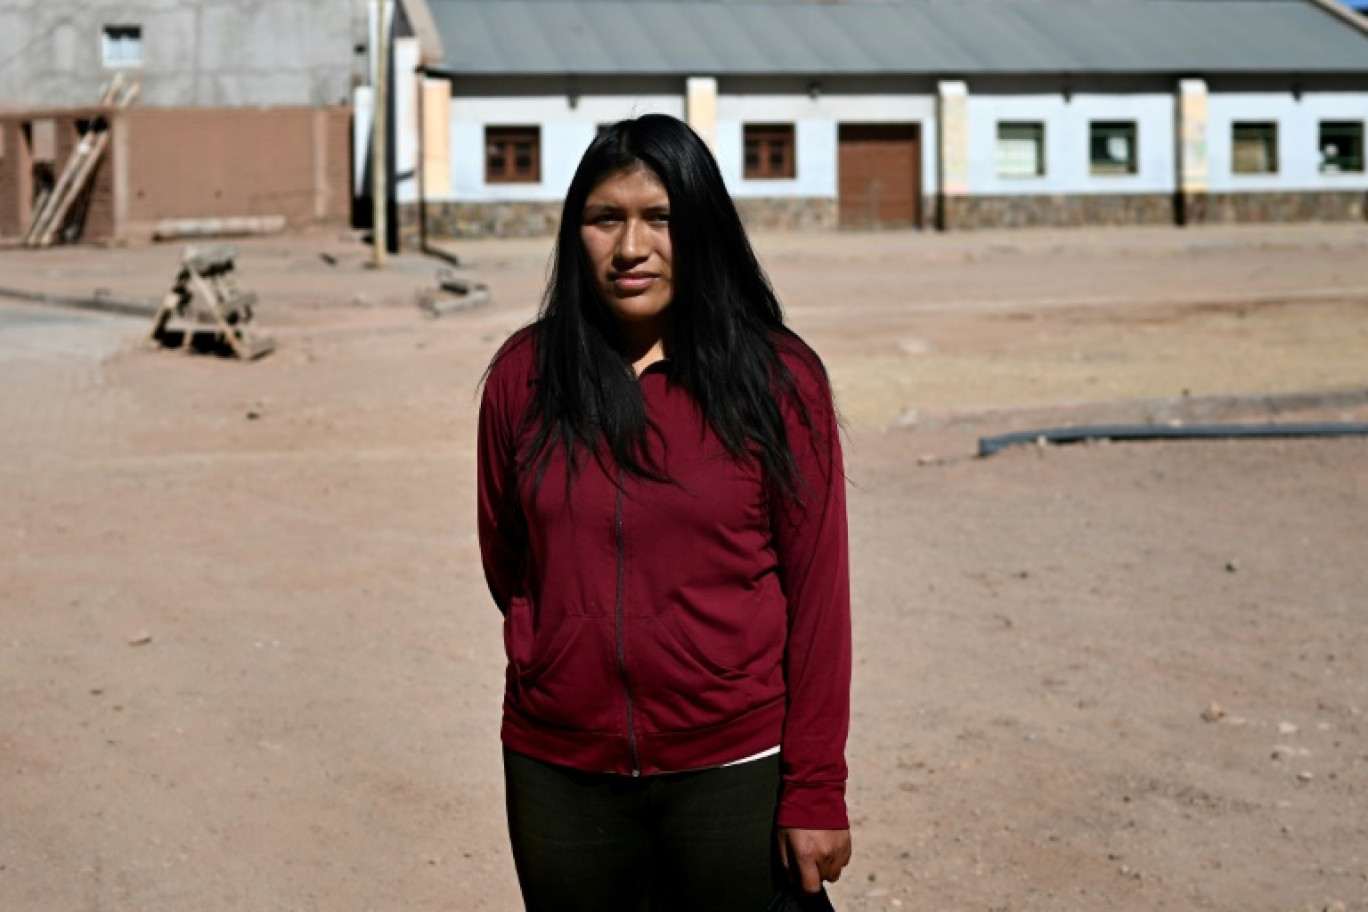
(1343, 13)
(430, 50)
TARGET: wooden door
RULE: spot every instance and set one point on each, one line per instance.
(880, 175)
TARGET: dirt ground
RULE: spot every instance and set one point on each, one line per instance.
(247, 661)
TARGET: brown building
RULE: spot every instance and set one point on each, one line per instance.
(243, 112)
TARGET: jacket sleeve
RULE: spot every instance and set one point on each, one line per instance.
(501, 531)
(811, 543)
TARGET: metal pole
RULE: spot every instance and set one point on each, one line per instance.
(380, 137)
(421, 78)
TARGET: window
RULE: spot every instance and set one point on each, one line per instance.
(1341, 146)
(512, 155)
(1254, 148)
(121, 46)
(42, 143)
(1111, 147)
(1020, 149)
(43, 140)
(768, 152)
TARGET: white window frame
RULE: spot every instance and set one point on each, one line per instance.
(1014, 157)
(1128, 130)
(1325, 166)
(121, 46)
(1272, 165)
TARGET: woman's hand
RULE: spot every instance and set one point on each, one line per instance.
(812, 856)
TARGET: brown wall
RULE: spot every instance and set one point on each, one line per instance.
(94, 211)
(16, 183)
(99, 217)
(189, 163)
(192, 163)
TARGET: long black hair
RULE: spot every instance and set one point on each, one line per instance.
(727, 324)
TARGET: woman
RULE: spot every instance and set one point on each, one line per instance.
(662, 523)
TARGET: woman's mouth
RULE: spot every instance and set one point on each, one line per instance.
(633, 281)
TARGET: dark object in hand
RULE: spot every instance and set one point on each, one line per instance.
(793, 899)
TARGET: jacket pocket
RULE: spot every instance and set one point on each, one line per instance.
(519, 638)
(682, 687)
(673, 630)
(570, 682)
(528, 653)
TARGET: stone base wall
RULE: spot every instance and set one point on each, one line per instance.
(1305, 206)
(930, 212)
(470, 220)
(954, 213)
(967, 213)
(788, 214)
(476, 220)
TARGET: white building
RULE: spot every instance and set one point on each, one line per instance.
(963, 114)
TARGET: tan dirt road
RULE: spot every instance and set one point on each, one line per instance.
(247, 660)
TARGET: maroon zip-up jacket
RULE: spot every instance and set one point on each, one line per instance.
(658, 627)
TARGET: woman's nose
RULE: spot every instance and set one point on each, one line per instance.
(633, 244)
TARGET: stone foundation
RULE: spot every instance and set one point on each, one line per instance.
(953, 213)
(967, 213)
(476, 220)
(930, 213)
(1305, 206)
(470, 220)
(788, 214)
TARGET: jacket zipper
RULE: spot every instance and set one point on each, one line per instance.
(621, 632)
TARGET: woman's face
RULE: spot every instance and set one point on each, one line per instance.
(626, 236)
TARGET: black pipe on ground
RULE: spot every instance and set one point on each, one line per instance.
(1126, 432)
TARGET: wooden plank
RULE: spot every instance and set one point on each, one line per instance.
(84, 174)
(237, 307)
(208, 291)
(232, 226)
(43, 216)
(204, 302)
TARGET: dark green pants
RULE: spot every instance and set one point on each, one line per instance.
(597, 842)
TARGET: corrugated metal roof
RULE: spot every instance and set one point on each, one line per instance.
(959, 37)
